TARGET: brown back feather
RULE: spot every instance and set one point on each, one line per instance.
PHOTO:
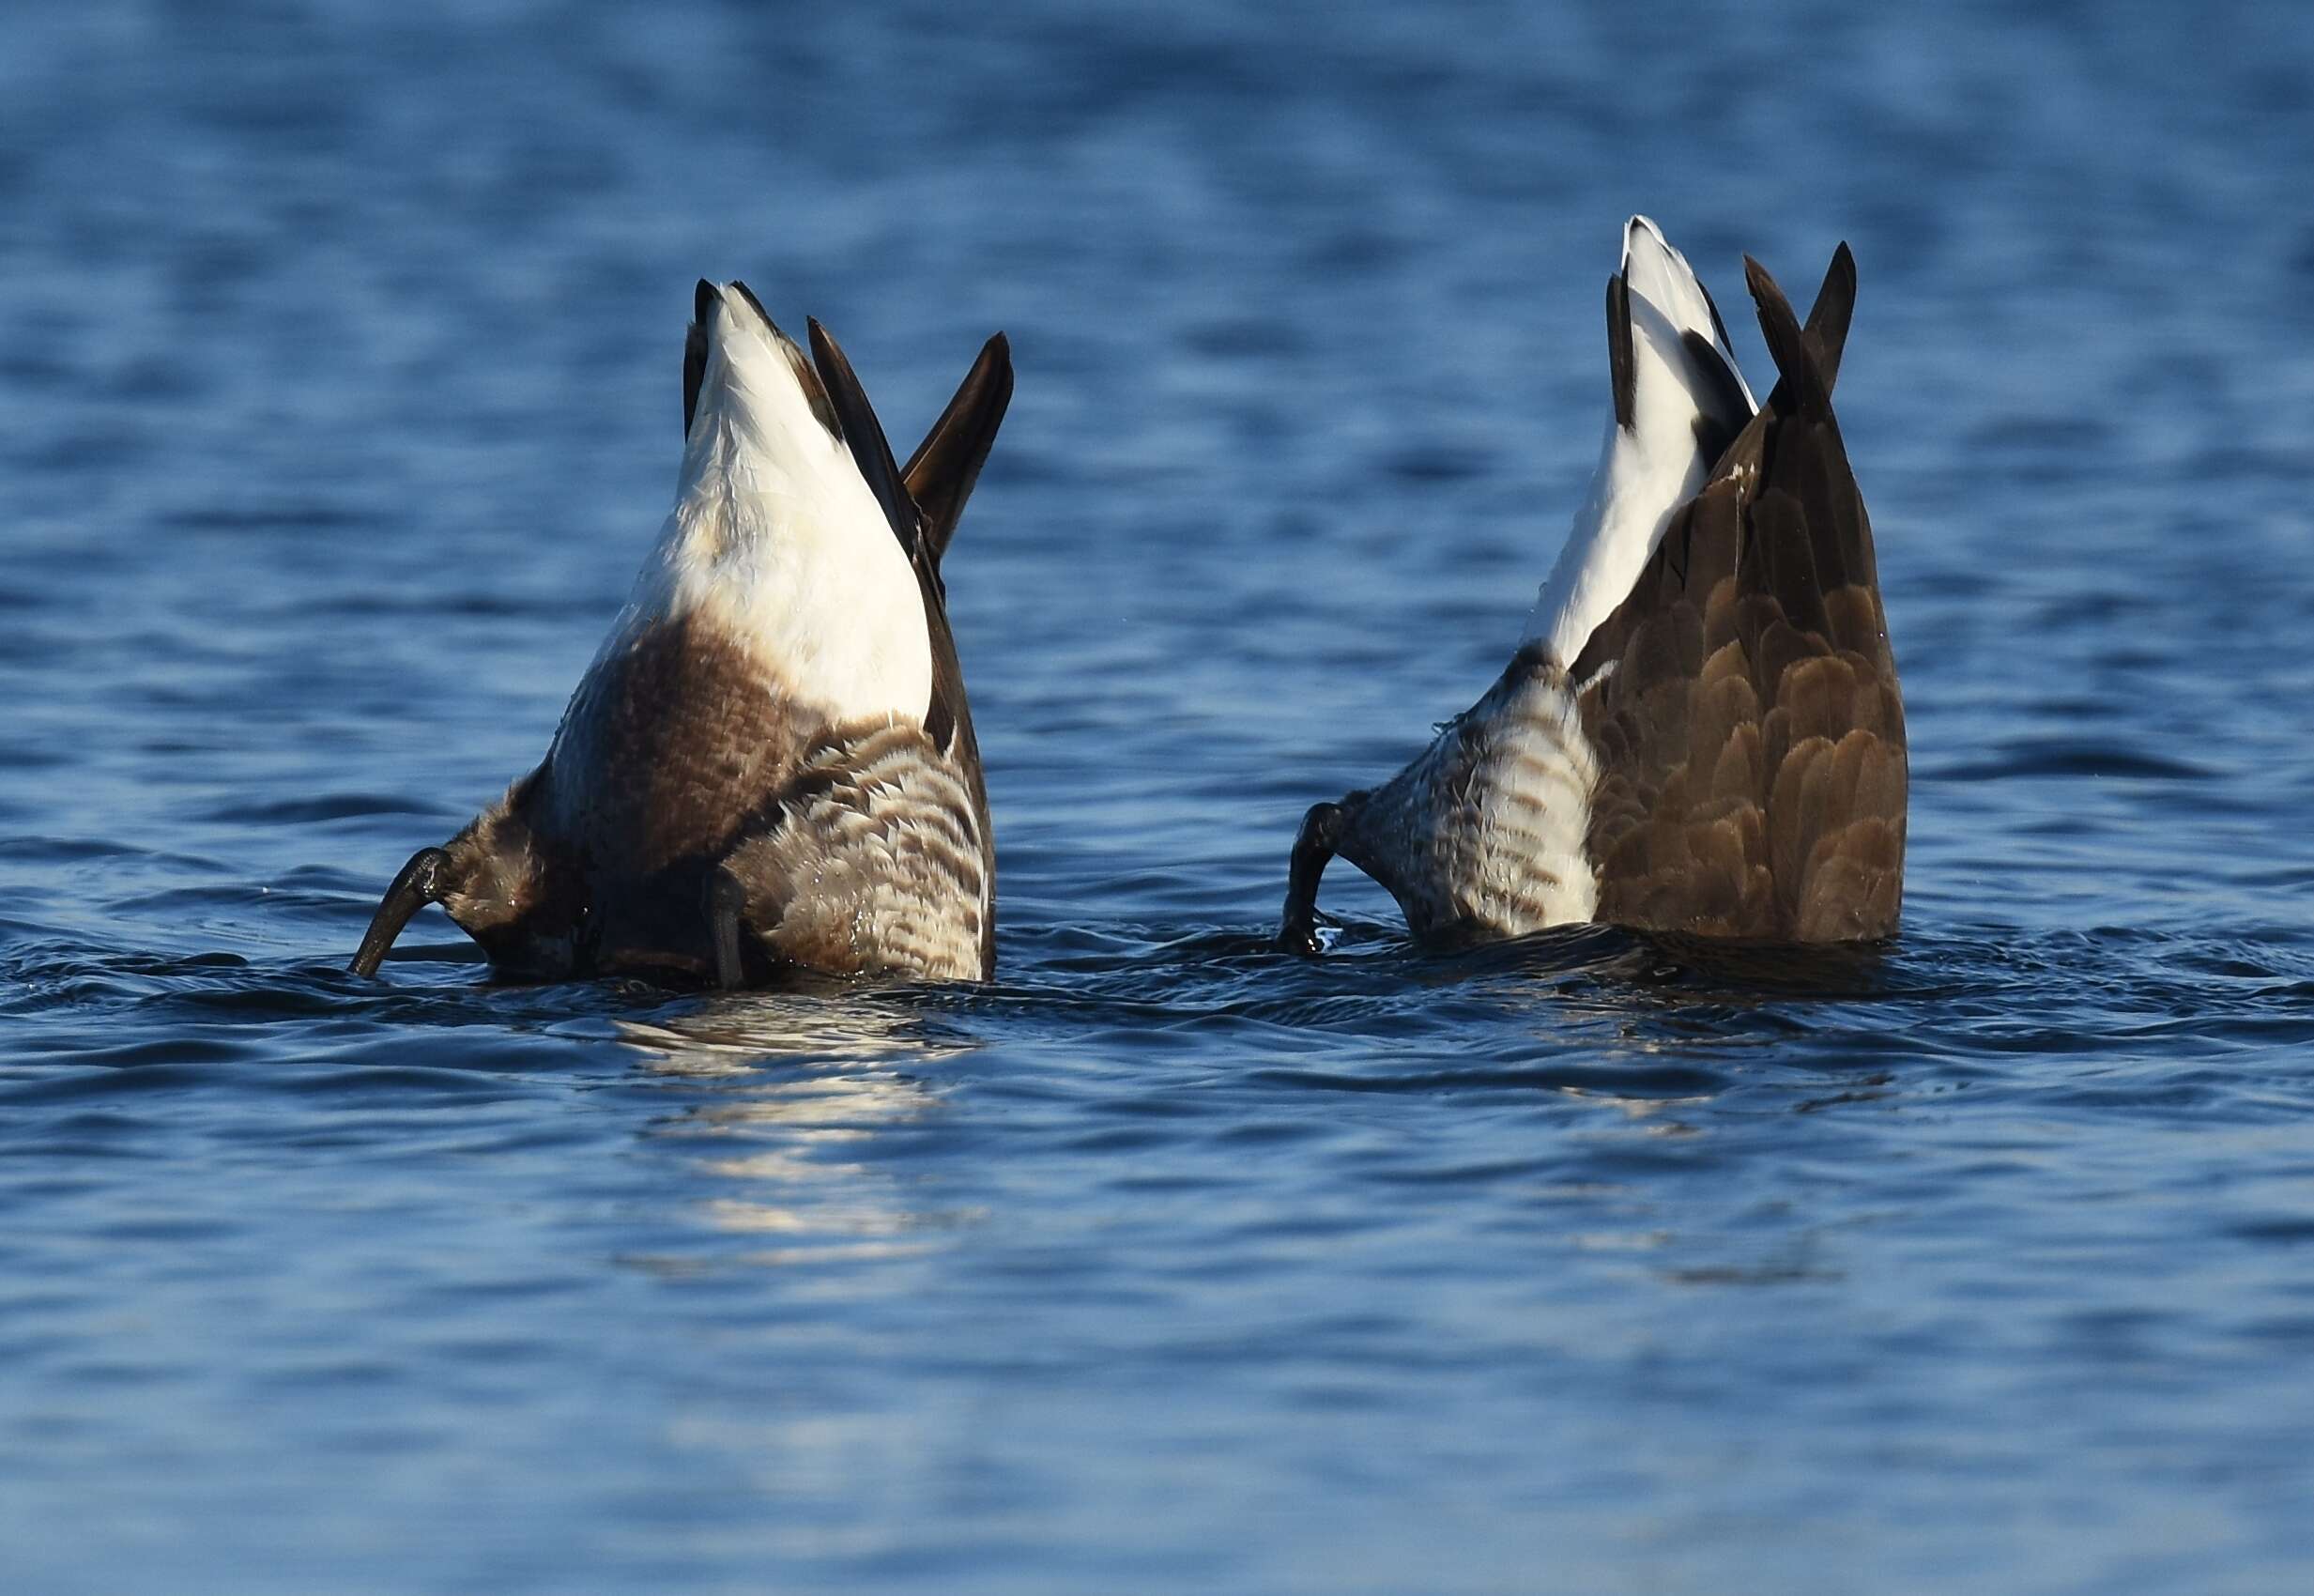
(1751, 733)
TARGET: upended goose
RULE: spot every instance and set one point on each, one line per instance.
(771, 761)
(1701, 730)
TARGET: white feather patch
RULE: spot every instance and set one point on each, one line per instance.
(777, 539)
(1646, 471)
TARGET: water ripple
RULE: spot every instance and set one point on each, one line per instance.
(341, 355)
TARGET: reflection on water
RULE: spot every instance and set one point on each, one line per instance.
(737, 1033)
(802, 1085)
(340, 355)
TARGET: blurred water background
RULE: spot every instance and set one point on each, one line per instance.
(339, 400)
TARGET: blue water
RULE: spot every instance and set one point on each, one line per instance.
(339, 399)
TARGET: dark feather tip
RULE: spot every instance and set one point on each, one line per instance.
(1622, 367)
(749, 295)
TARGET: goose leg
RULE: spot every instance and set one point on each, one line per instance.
(726, 897)
(420, 883)
(1313, 846)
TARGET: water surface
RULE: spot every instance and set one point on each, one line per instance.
(339, 399)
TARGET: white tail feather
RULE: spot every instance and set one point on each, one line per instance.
(1648, 470)
(777, 538)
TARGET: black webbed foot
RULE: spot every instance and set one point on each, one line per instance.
(422, 881)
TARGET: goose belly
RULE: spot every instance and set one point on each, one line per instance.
(1528, 866)
(1486, 831)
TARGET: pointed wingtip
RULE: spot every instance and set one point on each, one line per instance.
(1797, 371)
(831, 368)
(997, 352)
(695, 350)
(1807, 357)
(941, 474)
(1622, 359)
(1756, 278)
(1843, 263)
(857, 425)
(825, 351)
(828, 356)
(1826, 329)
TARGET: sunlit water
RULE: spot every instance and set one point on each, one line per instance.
(338, 382)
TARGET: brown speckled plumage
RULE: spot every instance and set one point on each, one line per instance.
(1748, 725)
(689, 778)
(872, 858)
(1463, 836)
(1739, 720)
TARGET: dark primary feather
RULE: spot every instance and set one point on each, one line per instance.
(1750, 732)
(941, 474)
(1826, 335)
(1622, 364)
(1719, 327)
(694, 350)
(856, 424)
(1723, 410)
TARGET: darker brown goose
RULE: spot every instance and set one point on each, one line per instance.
(725, 828)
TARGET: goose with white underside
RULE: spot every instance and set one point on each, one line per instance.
(1701, 730)
(771, 762)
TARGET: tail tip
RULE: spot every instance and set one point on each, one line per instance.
(1642, 229)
